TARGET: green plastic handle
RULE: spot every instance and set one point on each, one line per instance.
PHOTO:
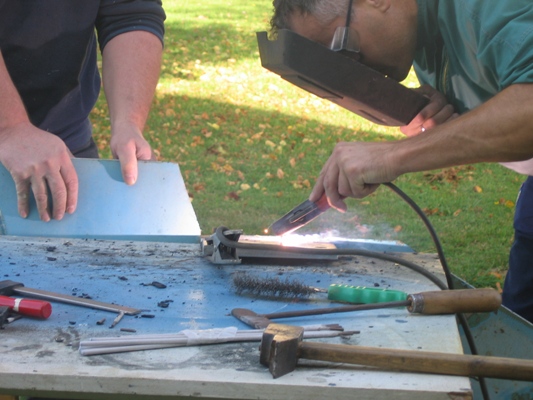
(364, 295)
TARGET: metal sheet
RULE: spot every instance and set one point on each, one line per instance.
(502, 334)
(157, 205)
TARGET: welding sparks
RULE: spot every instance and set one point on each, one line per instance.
(325, 240)
(295, 240)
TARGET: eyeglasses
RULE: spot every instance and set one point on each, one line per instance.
(345, 39)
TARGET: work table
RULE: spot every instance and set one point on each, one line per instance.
(40, 357)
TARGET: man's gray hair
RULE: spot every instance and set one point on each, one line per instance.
(324, 10)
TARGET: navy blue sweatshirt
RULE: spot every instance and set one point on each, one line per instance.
(49, 47)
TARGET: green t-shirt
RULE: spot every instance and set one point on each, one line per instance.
(472, 49)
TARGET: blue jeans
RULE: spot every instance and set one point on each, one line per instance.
(89, 150)
(518, 287)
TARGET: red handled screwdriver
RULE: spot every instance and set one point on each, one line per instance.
(31, 308)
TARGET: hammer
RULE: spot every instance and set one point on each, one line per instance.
(282, 346)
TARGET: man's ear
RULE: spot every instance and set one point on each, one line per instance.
(382, 5)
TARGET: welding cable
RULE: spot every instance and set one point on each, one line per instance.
(219, 233)
(432, 232)
(462, 319)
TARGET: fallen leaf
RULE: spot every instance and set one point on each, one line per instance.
(477, 189)
(199, 187)
(496, 274)
(430, 211)
(233, 196)
(457, 212)
(280, 174)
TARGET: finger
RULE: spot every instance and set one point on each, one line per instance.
(331, 188)
(128, 165)
(416, 126)
(145, 153)
(440, 117)
(23, 203)
(318, 189)
(58, 192)
(435, 112)
(70, 177)
(40, 192)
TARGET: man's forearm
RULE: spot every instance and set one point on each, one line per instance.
(131, 68)
(500, 130)
(12, 111)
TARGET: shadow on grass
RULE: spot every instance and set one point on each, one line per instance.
(209, 43)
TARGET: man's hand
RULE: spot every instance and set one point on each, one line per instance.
(353, 170)
(128, 145)
(438, 111)
(131, 65)
(40, 162)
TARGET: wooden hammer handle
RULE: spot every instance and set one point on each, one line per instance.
(455, 301)
(420, 361)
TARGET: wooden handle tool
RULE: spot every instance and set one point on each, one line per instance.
(282, 346)
(454, 301)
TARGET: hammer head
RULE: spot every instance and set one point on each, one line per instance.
(250, 318)
(279, 348)
(8, 287)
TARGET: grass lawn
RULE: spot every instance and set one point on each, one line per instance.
(251, 145)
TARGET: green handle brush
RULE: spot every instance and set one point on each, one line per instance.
(276, 287)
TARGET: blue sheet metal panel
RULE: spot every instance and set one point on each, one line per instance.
(157, 205)
(501, 334)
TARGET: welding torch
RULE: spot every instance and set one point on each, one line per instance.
(299, 216)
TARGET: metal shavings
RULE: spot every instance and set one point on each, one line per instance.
(244, 283)
(155, 284)
(164, 303)
(117, 319)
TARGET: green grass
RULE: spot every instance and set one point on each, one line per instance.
(251, 145)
